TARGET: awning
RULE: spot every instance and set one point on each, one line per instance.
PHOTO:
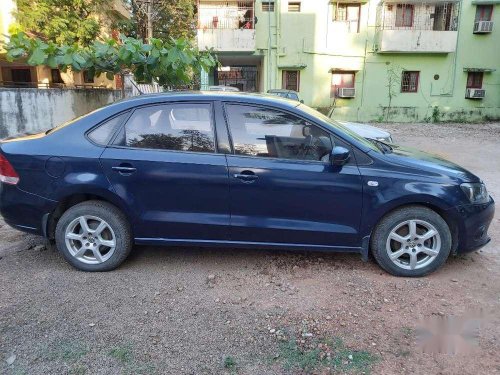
(423, 2)
(342, 70)
(293, 67)
(485, 2)
(484, 70)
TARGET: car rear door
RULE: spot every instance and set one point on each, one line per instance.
(164, 163)
(283, 188)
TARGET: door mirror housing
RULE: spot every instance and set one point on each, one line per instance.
(339, 156)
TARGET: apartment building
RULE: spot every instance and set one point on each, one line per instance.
(20, 74)
(368, 60)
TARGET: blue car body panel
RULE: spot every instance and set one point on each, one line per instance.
(176, 197)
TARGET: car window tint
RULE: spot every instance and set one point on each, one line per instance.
(181, 127)
(103, 133)
(258, 131)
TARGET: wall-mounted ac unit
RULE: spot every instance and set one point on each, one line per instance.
(483, 27)
(346, 92)
(475, 93)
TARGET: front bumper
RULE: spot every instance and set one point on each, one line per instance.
(473, 221)
(24, 211)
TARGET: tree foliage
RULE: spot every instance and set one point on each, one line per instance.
(62, 21)
(170, 62)
(171, 19)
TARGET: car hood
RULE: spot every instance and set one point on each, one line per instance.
(365, 130)
(434, 164)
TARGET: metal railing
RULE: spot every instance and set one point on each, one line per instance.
(226, 15)
(49, 85)
(437, 16)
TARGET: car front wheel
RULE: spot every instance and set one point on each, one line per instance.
(411, 241)
(93, 236)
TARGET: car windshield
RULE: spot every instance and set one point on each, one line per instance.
(339, 126)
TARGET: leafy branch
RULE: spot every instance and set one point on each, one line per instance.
(170, 62)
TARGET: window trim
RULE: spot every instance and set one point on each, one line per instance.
(332, 135)
(117, 130)
(294, 3)
(403, 6)
(270, 4)
(283, 81)
(481, 8)
(474, 86)
(335, 12)
(416, 85)
(132, 111)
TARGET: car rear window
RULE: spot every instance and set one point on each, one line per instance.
(104, 132)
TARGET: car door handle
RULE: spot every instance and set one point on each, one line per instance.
(246, 177)
(124, 170)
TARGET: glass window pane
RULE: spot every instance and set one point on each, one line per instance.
(264, 132)
(181, 127)
(102, 134)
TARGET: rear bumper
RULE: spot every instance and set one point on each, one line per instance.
(24, 211)
(473, 223)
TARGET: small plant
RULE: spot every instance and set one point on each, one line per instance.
(315, 355)
(122, 353)
(229, 363)
(436, 114)
(68, 351)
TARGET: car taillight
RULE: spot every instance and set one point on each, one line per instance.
(7, 173)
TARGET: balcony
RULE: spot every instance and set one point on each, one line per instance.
(417, 27)
(226, 26)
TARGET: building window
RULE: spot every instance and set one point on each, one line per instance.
(268, 6)
(409, 82)
(341, 80)
(87, 78)
(56, 76)
(294, 7)
(474, 80)
(484, 12)
(291, 80)
(348, 14)
(404, 15)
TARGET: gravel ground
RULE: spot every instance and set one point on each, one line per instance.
(214, 311)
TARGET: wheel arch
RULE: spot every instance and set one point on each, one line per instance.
(72, 198)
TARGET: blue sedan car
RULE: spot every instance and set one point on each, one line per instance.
(236, 170)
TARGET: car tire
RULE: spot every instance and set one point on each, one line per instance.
(94, 236)
(400, 245)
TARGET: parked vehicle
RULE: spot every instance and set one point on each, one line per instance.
(223, 88)
(364, 130)
(236, 170)
(287, 94)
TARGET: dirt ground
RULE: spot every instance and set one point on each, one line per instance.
(215, 311)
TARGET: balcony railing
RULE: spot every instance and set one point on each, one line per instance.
(226, 15)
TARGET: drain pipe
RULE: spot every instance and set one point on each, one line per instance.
(269, 44)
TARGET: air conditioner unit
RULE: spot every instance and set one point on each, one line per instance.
(483, 27)
(475, 93)
(346, 92)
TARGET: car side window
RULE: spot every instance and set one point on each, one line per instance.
(178, 127)
(103, 133)
(265, 132)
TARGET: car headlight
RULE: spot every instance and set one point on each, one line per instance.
(476, 192)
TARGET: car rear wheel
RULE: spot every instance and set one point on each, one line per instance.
(411, 241)
(94, 236)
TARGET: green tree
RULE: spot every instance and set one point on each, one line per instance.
(63, 21)
(170, 18)
(171, 62)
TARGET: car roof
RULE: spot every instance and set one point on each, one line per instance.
(282, 90)
(205, 95)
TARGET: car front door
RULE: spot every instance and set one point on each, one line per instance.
(283, 188)
(164, 164)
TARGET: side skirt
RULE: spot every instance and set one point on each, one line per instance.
(245, 244)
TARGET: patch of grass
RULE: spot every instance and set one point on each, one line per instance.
(229, 362)
(320, 354)
(78, 370)
(122, 353)
(68, 351)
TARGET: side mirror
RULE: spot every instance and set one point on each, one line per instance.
(339, 156)
(302, 101)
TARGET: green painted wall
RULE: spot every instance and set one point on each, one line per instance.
(309, 39)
